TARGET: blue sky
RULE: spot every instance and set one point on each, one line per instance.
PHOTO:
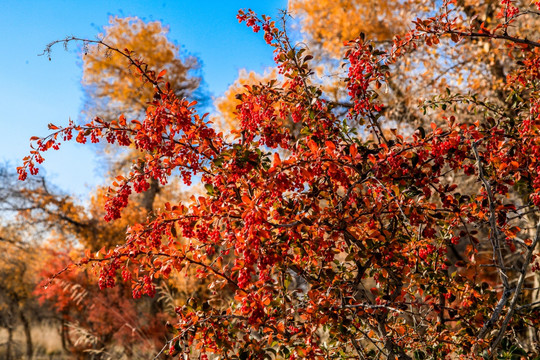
(35, 91)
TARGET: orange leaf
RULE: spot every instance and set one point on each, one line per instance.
(277, 160)
(353, 150)
(313, 146)
(246, 200)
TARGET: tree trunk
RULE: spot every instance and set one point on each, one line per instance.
(28, 335)
(9, 342)
(149, 196)
(63, 334)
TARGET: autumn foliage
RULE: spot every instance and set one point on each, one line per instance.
(112, 88)
(340, 238)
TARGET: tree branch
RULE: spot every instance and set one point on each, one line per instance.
(517, 293)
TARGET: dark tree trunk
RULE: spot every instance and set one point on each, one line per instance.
(149, 196)
(28, 335)
(66, 343)
(9, 342)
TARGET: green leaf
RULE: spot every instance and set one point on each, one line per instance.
(218, 161)
(209, 189)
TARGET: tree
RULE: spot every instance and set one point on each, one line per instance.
(99, 324)
(111, 87)
(17, 305)
(42, 231)
(331, 23)
(333, 245)
(473, 66)
(20, 251)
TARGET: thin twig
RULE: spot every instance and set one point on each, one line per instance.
(517, 293)
(494, 238)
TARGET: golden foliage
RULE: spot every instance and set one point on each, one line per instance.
(331, 23)
(225, 105)
(98, 233)
(462, 67)
(113, 88)
(112, 85)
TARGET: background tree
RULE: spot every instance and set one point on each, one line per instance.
(99, 324)
(44, 231)
(22, 244)
(112, 87)
(18, 268)
(478, 66)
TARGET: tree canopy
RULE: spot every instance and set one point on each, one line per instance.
(112, 87)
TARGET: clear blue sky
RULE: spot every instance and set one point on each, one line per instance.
(35, 91)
